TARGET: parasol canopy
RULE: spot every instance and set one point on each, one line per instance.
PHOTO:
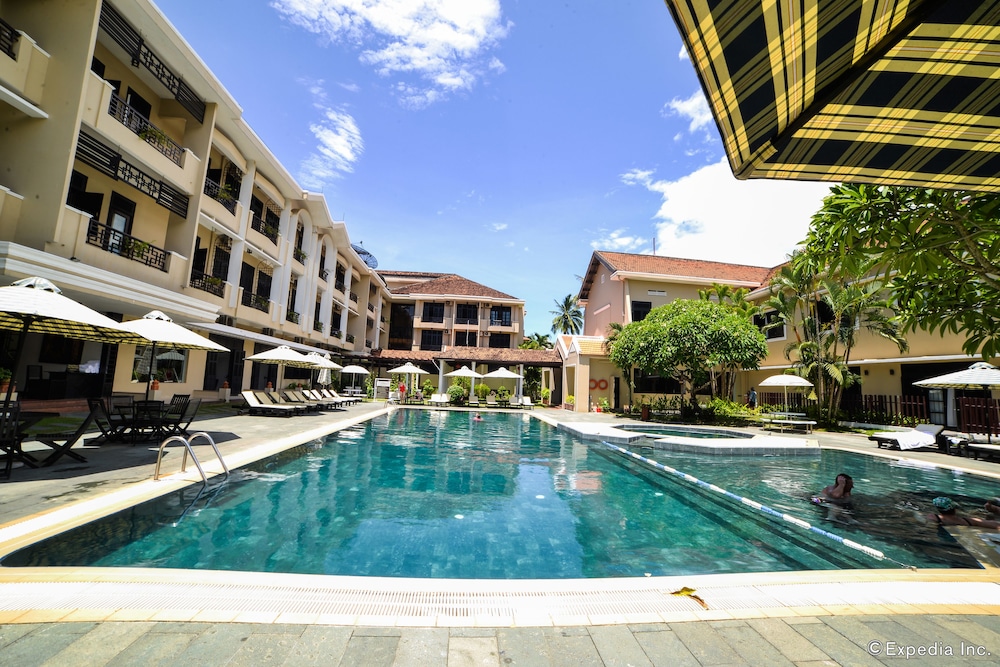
(466, 372)
(900, 93)
(503, 373)
(354, 369)
(282, 356)
(979, 375)
(325, 365)
(785, 381)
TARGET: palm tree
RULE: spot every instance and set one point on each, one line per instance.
(536, 341)
(568, 316)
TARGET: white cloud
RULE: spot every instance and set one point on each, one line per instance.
(694, 108)
(710, 215)
(683, 55)
(499, 226)
(619, 241)
(339, 146)
(443, 43)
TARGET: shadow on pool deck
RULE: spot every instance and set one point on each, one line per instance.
(795, 634)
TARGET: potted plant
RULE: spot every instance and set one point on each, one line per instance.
(604, 403)
(546, 395)
(571, 400)
(456, 394)
(5, 375)
(482, 391)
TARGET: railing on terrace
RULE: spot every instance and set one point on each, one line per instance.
(881, 409)
(354, 297)
(336, 333)
(324, 274)
(130, 247)
(371, 307)
(206, 283)
(340, 285)
(221, 195)
(270, 231)
(292, 316)
(466, 320)
(368, 342)
(500, 322)
(350, 338)
(8, 38)
(300, 255)
(317, 326)
(148, 132)
(256, 301)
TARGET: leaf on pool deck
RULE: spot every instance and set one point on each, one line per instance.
(690, 592)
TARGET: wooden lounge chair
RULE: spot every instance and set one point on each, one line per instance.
(256, 407)
(326, 403)
(491, 401)
(923, 435)
(293, 397)
(346, 400)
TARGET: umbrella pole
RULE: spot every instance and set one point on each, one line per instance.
(17, 361)
(152, 369)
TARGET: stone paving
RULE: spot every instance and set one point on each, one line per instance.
(814, 636)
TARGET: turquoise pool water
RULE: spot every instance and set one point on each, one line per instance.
(436, 494)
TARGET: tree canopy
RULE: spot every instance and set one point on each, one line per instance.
(685, 339)
(938, 251)
(568, 316)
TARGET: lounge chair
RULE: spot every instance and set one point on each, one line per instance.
(296, 397)
(439, 399)
(924, 435)
(491, 401)
(473, 401)
(256, 407)
(526, 402)
(345, 400)
(327, 403)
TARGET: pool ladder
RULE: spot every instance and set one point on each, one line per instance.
(187, 450)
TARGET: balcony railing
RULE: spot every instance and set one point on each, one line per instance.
(292, 316)
(148, 132)
(354, 297)
(466, 320)
(130, 247)
(350, 338)
(317, 326)
(270, 231)
(371, 307)
(500, 322)
(324, 274)
(340, 285)
(8, 38)
(336, 333)
(221, 194)
(368, 342)
(206, 283)
(257, 301)
(300, 256)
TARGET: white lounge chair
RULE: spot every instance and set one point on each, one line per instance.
(526, 402)
(256, 407)
(439, 399)
(924, 435)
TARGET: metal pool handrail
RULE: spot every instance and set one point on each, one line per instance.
(795, 521)
(187, 450)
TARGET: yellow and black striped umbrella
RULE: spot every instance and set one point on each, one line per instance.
(878, 91)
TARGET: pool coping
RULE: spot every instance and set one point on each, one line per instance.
(31, 595)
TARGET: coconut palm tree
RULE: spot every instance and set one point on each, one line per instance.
(536, 341)
(568, 316)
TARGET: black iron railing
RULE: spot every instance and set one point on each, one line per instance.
(350, 338)
(324, 274)
(354, 297)
(270, 231)
(317, 326)
(130, 247)
(466, 320)
(504, 322)
(336, 333)
(221, 194)
(292, 316)
(256, 301)
(300, 256)
(368, 342)
(340, 285)
(8, 38)
(148, 132)
(206, 283)
(371, 307)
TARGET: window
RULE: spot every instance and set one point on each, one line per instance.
(467, 313)
(465, 338)
(500, 317)
(770, 324)
(431, 340)
(656, 292)
(433, 312)
(640, 309)
(170, 364)
(401, 326)
(500, 340)
(654, 384)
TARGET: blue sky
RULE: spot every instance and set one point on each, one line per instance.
(500, 140)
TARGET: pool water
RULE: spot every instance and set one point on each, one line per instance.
(686, 432)
(436, 494)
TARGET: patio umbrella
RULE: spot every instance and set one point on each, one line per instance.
(354, 370)
(900, 93)
(979, 375)
(409, 370)
(504, 374)
(35, 305)
(466, 372)
(282, 356)
(160, 330)
(785, 381)
(325, 365)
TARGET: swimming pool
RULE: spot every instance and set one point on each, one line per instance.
(686, 431)
(435, 494)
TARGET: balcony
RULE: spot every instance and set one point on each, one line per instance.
(8, 38)
(256, 301)
(146, 131)
(222, 194)
(371, 308)
(324, 274)
(206, 283)
(300, 256)
(354, 297)
(340, 285)
(336, 333)
(318, 326)
(110, 239)
(466, 320)
(23, 66)
(368, 343)
(270, 231)
(350, 338)
(291, 316)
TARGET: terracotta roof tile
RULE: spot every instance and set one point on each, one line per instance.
(452, 284)
(676, 266)
(591, 346)
(483, 355)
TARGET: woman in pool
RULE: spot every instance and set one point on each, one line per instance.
(948, 515)
(837, 499)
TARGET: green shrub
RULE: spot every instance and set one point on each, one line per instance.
(457, 393)
(503, 393)
(482, 391)
(427, 387)
(546, 394)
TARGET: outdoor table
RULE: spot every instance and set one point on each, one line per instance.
(143, 418)
(25, 420)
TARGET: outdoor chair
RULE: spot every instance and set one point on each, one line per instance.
(491, 401)
(295, 398)
(345, 400)
(10, 439)
(473, 401)
(923, 435)
(111, 424)
(177, 423)
(273, 398)
(526, 402)
(256, 407)
(439, 399)
(327, 403)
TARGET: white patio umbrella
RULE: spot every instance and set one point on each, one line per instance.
(409, 370)
(282, 356)
(354, 370)
(785, 381)
(504, 374)
(159, 329)
(35, 305)
(979, 375)
(466, 372)
(325, 365)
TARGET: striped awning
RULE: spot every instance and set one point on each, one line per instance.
(878, 91)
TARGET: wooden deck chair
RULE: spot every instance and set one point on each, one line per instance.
(256, 407)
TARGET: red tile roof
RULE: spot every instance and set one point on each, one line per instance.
(451, 284)
(676, 266)
(482, 355)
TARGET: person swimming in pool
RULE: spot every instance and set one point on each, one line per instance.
(837, 499)
(947, 515)
(477, 418)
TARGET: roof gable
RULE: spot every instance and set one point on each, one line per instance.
(452, 285)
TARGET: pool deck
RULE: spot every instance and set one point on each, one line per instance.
(142, 616)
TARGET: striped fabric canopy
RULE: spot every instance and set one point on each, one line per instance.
(878, 91)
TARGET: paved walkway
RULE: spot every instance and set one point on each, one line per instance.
(855, 631)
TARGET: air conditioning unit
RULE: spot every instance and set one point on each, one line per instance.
(267, 331)
(226, 320)
(297, 339)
